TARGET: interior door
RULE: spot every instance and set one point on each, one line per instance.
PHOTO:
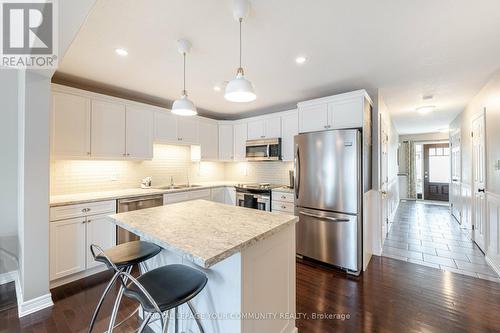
(479, 180)
(384, 177)
(456, 175)
(437, 171)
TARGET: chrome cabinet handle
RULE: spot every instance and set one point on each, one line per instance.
(283, 207)
(88, 153)
(283, 197)
(333, 219)
(297, 171)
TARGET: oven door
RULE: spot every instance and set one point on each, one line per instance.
(255, 201)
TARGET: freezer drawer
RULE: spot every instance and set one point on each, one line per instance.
(329, 237)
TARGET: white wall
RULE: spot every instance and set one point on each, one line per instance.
(9, 242)
(487, 98)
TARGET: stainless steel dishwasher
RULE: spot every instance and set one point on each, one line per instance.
(130, 204)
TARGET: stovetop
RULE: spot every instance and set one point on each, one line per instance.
(258, 186)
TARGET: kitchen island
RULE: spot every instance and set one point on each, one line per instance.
(247, 254)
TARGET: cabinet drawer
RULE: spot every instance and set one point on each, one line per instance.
(199, 194)
(84, 209)
(283, 196)
(175, 197)
(283, 206)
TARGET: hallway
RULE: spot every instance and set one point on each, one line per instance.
(428, 235)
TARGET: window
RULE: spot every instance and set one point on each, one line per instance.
(439, 165)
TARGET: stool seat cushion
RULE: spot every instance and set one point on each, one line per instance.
(170, 286)
(130, 253)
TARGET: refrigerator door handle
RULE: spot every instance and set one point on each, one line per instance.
(297, 171)
(333, 219)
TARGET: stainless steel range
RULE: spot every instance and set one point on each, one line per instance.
(257, 196)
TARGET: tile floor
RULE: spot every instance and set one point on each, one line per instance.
(426, 234)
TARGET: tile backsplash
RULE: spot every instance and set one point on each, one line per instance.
(74, 176)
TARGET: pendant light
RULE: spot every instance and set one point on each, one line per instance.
(183, 106)
(239, 89)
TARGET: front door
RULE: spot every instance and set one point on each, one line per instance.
(437, 171)
(456, 176)
(479, 180)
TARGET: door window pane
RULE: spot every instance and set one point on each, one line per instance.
(439, 169)
(432, 151)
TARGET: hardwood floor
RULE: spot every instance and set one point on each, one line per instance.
(391, 296)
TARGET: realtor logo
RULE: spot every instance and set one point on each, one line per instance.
(28, 34)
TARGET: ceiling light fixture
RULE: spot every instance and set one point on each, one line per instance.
(300, 60)
(183, 106)
(216, 88)
(425, 109)
(239, 89)
(121, 52)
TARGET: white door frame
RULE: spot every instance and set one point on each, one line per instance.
(479, 215)
(384, 178)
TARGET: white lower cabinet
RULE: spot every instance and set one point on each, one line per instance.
(225, 195)
(70, 238)
(100, 232)
(283, 202)
(230, 196)
(218, 194)
(67, 247)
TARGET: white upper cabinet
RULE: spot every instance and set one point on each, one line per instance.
(226, 142)
(289, 128)
(313, 118)
(139, 133)
(187, 130)
(240, 141)
(209, 138)
(70, 126)
(346, 113)
(272, 127)
(267, 127)
(256, 129)
(334, 112)
(108, 129)
(165, 127)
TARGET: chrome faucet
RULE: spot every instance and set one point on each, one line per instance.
(171, 180)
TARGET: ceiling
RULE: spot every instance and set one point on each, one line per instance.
(403, 49)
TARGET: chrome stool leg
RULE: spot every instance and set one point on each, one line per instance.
(98, 308)
(145, 322)
(196, 317)
(116, 306)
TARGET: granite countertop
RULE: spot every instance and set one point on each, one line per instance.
(284, 189)
(201, 231)
(76, 198)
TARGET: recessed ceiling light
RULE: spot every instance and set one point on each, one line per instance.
(300, 60)
(121, 52)
(217, 88)
(426, 109)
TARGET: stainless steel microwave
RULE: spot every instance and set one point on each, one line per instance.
(263, 150)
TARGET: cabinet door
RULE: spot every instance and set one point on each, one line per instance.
(313, 118)
(187, 130)
(208, 140)
(175, 197)
(108, 129)
(100, 232)
(256, 129)
(199, 194)
(67, 247)
(165, 127)
(240, 141)
(346, 114)
(230, 196)
(226, 142)
(218, 194)
(273, 127)
(139, 133)
(290, 128)
(70, 125)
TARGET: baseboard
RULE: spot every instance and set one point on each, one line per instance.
(8, 277)
(495, 266)
(76, 276)
(34, 305)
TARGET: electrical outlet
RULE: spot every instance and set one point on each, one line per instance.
(114, 176)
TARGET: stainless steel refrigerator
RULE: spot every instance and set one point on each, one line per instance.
(328, 197)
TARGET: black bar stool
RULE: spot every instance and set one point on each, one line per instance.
(161, 290)
(121, 258)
